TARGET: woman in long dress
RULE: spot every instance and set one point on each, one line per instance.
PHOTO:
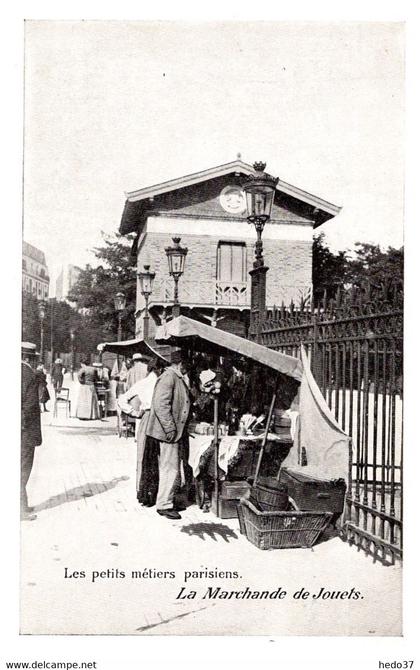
(87, 403)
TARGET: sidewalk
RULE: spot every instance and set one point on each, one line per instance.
(83, 489)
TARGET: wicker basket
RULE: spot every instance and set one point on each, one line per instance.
(272, 497)
(280, 530)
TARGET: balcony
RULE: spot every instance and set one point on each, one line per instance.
(215, 293)
(203, 293)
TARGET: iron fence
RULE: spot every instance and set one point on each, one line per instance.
(355, 344)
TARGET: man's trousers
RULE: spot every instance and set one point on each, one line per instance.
(169, 475)
(26, 463)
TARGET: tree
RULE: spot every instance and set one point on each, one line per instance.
(366, 265)
(60, 318)
(31, 327)
(372, 265)
(329, 270)
(96, 288)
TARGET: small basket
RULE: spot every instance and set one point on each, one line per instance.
(280, 530)
(271, 498)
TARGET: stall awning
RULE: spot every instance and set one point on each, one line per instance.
(130, 347)
(206, 338)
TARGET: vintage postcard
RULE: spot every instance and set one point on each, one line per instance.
(212, 329)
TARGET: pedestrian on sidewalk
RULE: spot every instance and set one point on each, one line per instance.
(57, 374)
(168, 422)
(87, 402)
(137, 402)
(43, 393)
(31, 436)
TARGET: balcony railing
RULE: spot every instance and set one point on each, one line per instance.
(221, 293)
(210, 292)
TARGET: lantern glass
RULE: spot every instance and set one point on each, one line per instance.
(119, 302)
(145, 285)
(176, 257)
(146, 279)
(41, 308)
(259, 190)
(259, 202)
(177, 263)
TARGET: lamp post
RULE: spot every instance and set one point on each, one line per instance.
(119, 304)
(42, 312)
(259, 191)
(146, 279)
(176, 262)
(72, 352)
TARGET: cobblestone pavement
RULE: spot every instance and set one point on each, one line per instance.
(88, 520)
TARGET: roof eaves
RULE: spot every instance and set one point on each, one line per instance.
(221, 170)
(188, 180)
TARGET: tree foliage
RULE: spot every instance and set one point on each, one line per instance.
(366, 264)
(328, 269)
(96, 288)
(60, 319)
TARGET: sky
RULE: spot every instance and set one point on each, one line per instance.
(113, 106)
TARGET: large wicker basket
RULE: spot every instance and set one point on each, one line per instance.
(280, 530)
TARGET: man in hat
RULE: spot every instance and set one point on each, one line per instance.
(168, 423)
(138, 371)
(31, 436)
(136, 402)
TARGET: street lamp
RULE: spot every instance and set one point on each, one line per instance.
(176, 261)
(119, 304)
(42, 312)
(72, 352)
(146, 279)
(259, 190)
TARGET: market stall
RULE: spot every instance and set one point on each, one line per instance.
(292, 425)
(129, 347)
(117, 382)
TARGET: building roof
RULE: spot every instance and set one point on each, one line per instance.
(322, 210)
(33, 252)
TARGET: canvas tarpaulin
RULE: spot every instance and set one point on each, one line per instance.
(207, 338)
(325, 443)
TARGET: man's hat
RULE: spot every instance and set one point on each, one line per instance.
(140, 357)
(28, 348)
(97, 365)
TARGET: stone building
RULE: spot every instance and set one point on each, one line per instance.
(35, 278)
(68, 276)
(208, 211)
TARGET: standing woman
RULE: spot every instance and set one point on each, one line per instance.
(87, 402)
(43, 394)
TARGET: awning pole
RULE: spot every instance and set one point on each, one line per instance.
(267, 428)
(216, 454)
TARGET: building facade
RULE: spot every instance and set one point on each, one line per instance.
(208, 211)
(35, 277)
(65, 281)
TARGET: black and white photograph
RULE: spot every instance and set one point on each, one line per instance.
(212, 347)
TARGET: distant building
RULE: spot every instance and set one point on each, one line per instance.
(66, 280)
(35, 278)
